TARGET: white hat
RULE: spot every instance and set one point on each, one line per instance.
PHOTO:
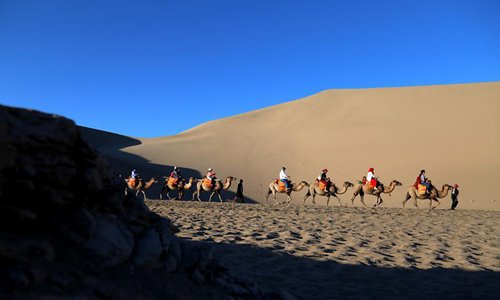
(209, 169)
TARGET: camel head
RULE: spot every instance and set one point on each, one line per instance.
(348, 184)
(396, 183)
(304, 183)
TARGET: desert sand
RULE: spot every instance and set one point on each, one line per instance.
(452, 131)
(318, 252)
(329, 253)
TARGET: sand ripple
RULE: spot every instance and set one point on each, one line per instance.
(306, 250)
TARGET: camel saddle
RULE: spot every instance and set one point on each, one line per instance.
(281, 185)
(322, 185)
(422, 189)
(207, 182)
(172, 181)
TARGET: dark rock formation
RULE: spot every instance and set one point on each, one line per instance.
(68, 231)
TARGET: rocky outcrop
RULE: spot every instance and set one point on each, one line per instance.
(67, 229)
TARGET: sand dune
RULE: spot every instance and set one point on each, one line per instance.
(452, 131)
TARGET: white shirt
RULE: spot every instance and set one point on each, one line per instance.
(422, 178)
(283, 174)
(369, 176)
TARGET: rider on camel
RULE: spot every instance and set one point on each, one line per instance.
(176, 173)
(420, 178)
(370, 177)
(211, 176)
(284, 178)
(324, 179)
(135, 177)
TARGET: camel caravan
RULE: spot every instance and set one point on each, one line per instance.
(422, 189)
(174, 182)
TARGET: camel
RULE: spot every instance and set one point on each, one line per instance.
(332, 191)
(181, 186)
(433, 196)
(141, 186)
(214, 189)
(361, 190)
(273, 189)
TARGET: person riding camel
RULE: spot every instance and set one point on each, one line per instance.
(428, 186)
(211, 176)
(134, 177)
(370, 177)
(176, 174)
(284, 178)
(324, 179)
(420, 178)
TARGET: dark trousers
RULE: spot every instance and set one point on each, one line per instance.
(454, 203)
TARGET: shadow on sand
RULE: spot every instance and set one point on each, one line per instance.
(110, 145)
(308, 278)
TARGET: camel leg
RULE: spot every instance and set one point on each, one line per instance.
(438, 203)
(197, 194)
(144, 194)
(430, 204)
(352, 199)
(407, 197)
(274, 197)
(379, 200)
(305, 198)
(314, 199)
(211, 195)
(267, 196)
(327, 200)
(362, 200)
(340, 202)
(181, 194)
(220, 197)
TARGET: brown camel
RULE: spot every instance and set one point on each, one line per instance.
(141, 186)
(215, 189)
(181, 186)
(433, 196)
(332, 191)
(273, 189)
(361, 190)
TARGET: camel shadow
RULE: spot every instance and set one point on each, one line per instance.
(110, 145)
(309, 278)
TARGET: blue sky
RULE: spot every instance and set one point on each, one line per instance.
(153, 68)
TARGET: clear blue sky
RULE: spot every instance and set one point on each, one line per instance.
(154, 68)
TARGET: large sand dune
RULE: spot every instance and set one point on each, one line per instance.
(452, 131)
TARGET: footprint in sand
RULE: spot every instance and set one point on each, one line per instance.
(272, 235)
